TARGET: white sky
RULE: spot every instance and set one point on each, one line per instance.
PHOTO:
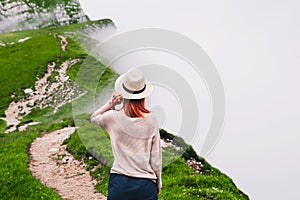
(255, 46)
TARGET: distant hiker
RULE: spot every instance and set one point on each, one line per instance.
(135, 139)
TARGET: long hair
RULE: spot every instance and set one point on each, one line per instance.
(135, 107)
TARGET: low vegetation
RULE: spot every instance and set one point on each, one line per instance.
(179, 180)
(16, 181)
(20, 64)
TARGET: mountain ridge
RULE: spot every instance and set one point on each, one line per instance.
(33, 14)
(25, 56)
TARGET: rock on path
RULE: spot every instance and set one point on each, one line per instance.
(56, 168)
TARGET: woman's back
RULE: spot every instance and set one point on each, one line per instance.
(135, 139)
(132, 142)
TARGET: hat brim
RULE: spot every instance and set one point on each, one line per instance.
(119, 88)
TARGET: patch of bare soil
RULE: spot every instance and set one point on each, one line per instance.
(56, 168)
(45, 93)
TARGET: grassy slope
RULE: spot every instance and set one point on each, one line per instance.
(16, 181)
(20, 63)
(180, 182)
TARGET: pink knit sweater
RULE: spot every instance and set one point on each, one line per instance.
(135, 143)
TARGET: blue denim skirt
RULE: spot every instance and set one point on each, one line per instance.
(122, 187)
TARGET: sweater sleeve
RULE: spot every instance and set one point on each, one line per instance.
(156, 158)
(99, 117)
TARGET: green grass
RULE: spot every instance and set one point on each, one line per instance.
(16, 181)
(20, 63)
(90, 141)
(179, 181)
(15, 36)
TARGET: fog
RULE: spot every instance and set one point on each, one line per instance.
(255, 47)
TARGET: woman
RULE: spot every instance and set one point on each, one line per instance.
(135, 139)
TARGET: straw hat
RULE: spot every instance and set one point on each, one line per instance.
(132, 85)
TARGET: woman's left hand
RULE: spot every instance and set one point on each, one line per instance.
(116, 99)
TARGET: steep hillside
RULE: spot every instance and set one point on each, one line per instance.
(185, 177)
(33, 64)
(38, 70)
(33, 14)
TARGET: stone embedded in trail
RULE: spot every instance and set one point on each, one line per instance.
(28, 91)
(53, 150)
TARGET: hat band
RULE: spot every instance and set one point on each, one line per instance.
(133, 92)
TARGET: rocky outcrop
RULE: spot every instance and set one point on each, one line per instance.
(32, 14)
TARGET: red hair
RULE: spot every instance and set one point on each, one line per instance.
(135, 107)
